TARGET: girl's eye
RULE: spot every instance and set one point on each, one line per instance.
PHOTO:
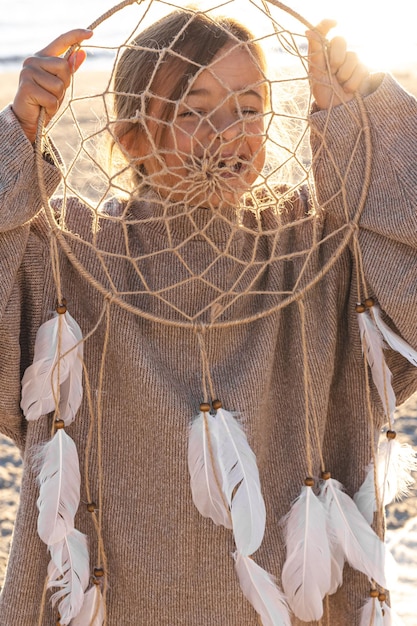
(190, 113)
(248, 112)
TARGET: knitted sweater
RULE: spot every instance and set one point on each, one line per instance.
(167, 565)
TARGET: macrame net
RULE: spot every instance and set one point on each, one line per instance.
(152, 159)
(191, 171)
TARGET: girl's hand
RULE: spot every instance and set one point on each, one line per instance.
(335, 82)
(44, 79)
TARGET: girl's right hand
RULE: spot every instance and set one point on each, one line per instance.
(44, 79)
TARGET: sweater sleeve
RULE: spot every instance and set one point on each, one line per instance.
(19, 203)
(388, 222)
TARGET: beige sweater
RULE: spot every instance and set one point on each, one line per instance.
(168, 566)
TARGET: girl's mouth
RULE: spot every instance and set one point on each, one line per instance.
(230, 168)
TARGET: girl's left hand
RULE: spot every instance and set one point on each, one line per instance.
(336, 80)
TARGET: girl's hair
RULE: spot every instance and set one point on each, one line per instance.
(163, 59)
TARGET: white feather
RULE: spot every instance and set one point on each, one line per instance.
(337, 562)
(391, 569)
(371, 613)
(240, 483)
(71, 389)
(59, 494)
(362, 548)
(395, 462)
(92, 611)
(373, 346)
(69, 571)
(59, 336)
(365, 498)
(204, 471)
(306, 575)
(262, 592)
(395, 342)
(390, 617)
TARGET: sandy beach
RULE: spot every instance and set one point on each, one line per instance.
(401, 516)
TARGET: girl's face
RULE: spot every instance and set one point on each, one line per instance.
(213, 148)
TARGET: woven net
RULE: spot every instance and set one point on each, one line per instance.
(194, 169)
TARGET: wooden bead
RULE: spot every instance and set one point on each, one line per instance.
(204, 407)
(98, 572)
(391, 434)
(216, 405)
(309, 481)
(326, 475)
(374, 593)
(61, 307)
(382, 597)
(369, 303)
(91, 507)
(360, 308)
(58, 424)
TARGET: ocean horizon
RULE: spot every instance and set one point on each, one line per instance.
(26, 27)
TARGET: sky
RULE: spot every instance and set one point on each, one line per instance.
(383, 33)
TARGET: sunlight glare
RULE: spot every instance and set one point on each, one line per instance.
(384, 37)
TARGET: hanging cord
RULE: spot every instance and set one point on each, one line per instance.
(43, 601)
(207, 382)
(92, 507)
(306, 381)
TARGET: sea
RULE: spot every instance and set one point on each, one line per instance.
(382, 38)
(27, 26)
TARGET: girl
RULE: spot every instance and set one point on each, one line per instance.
(206, 282)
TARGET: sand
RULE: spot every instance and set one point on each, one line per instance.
(401, 516)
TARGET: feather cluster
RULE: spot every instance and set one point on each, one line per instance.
(225, 479)
(373, 346)
(226, 487)
(350, 532)
(376, 336)
(390, 617)
(58, 501)
(377, 613)
(54, 383)
(55, 377)
(372, 614)
(322, 533)
(394, 462)
(393, 478)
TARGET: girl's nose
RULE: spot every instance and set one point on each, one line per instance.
(225, 127)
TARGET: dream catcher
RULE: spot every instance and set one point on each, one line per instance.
(236, 174)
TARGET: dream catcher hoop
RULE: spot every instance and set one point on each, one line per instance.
(246, 205)
(270, 191)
